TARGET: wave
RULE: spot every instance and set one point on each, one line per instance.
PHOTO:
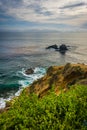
(24, 81)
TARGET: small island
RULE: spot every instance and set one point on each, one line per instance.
(62, 48)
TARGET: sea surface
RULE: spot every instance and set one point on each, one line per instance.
(22, 50)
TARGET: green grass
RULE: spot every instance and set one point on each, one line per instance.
(68, 111)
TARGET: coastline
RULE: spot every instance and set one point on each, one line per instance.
(59, 76)
(45, 105)
(23, 82)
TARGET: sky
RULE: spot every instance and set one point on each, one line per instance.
(58, 15)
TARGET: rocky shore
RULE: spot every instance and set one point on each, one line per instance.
(63, 106)
(59, 77)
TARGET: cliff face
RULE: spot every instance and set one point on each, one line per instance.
(59, 77)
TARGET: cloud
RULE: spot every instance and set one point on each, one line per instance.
(72, 13)
(73, 5)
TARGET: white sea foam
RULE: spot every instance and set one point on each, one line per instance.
(25, 81)
(3, 101)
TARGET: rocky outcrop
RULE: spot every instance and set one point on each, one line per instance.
(59, 77)
(62, 48)
(29, 71)
(52, 46)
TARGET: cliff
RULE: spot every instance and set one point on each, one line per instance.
(67, 111)
(59, 77)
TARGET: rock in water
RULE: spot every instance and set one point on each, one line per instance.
(29, 71)
(52, 46)
(63, 48)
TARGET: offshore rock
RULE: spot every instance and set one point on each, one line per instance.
(62, 48)
(29, 71)
(52, 46)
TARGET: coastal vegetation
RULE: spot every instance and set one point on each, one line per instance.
(68, 111)
(58, 101)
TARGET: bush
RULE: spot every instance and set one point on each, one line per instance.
(68, 111)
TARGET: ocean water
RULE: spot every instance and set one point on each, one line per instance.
(20, 51)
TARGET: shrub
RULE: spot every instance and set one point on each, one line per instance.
(68, 111)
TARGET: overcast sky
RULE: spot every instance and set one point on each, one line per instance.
(59, 15)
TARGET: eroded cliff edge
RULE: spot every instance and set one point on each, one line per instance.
(59, 77)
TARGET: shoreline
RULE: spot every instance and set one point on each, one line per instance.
(63, 73)
(27, 80)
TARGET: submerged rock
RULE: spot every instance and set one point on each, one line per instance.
(29, 71)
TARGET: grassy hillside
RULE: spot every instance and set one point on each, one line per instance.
(68, 111)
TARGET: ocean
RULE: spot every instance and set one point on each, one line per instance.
(22, 50)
